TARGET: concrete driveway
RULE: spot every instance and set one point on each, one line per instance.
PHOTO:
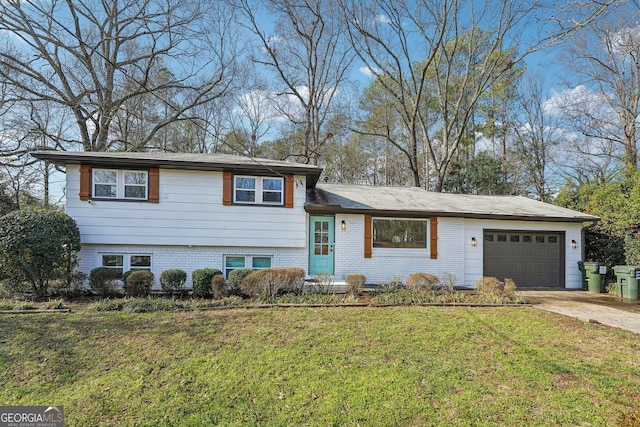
(590, 307)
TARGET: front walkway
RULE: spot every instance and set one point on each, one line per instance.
(600, 308)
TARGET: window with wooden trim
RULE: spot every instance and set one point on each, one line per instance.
(120, 184)
(400, 233)
(258, 190)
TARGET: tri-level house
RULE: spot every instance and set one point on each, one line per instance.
(158, 211)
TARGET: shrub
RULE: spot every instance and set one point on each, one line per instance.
(173, 280)
(393, 285)
(321, 284)
(104, 281)
(219, 286)
(126, 274)
(72, 286)
(201, 281)
(447, 281)
(422, 281)
(139, 283)
(236, 277)
(37, 247)
(355, 284)
(492, 287)
(272, 281)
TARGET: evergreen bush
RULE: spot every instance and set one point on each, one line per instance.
(103, 281)
(236, 277)
(173, 280)
(139, 283)
(201, 281)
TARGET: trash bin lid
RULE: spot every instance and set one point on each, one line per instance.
(625, 269)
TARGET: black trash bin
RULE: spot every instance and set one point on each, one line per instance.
(584, 275)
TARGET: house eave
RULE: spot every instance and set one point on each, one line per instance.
(139, 160)
(315, 209)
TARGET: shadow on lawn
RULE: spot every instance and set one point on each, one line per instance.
(52, 349)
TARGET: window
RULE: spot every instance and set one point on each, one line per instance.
(124, 263)
(231, 262)
(258, 190)
(115, 262)
(120, 184)
(140, 262)
(399, 233)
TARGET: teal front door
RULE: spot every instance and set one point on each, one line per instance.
(321, 245)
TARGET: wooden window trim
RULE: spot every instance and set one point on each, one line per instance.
(368, 238)
(289, 186)
(153, 190)
(227, 188)
(154, 185)
(227, 191)
(85, 182)
(433, 240)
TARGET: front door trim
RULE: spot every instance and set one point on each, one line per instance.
(321, 245)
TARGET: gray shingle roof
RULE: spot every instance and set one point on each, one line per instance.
(399, 201)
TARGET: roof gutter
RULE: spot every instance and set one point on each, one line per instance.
(333, 209)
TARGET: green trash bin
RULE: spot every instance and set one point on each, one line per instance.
(595, 272)
(627, 279)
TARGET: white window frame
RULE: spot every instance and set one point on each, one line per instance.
(126, 260)
(392, 251)
(259, 190)
(248, 260)
(120, 184)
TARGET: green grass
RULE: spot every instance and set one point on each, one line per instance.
(321, 366)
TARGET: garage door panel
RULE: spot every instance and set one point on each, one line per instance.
(530, 259)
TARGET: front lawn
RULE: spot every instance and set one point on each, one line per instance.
(322, 366)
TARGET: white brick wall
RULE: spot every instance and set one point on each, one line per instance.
(189, 258)
(384, 266)
(455, 253)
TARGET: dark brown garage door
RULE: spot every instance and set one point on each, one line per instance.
(530, 259)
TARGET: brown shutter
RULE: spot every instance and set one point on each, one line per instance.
(154, 185)
(368, 243)
(227, 188)
(434, 237)
(85, 182)
(289, 185)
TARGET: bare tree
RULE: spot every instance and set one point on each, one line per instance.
(438, 58)
(98, 59)
(537, 138)
(606, 62)
(309, 59)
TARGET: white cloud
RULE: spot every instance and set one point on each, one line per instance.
(257, 104)
(625, 40)
(369, 72)
(579, 99)
(383, 19)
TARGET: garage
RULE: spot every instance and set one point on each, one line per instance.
(531, 259)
